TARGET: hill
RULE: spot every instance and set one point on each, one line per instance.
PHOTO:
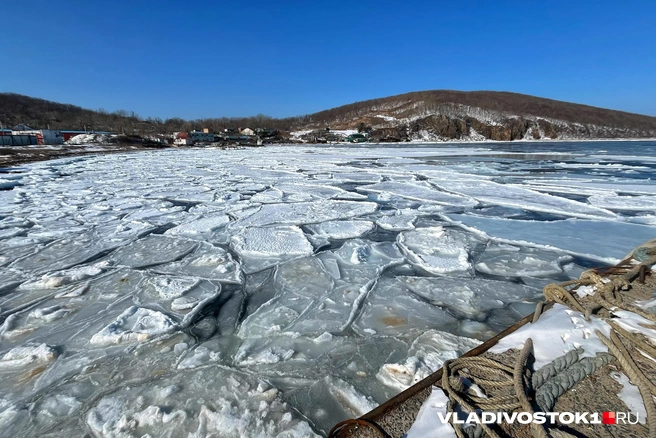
(445, 114)
(425, 115)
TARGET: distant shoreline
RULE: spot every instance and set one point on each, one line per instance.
(454, 141)
(16, 156)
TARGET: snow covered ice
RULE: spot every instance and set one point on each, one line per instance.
(276, 291)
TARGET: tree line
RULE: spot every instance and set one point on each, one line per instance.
(43, 114)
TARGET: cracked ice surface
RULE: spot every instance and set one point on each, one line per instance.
(276, 291)
(436, 250)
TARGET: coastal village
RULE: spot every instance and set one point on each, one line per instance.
(23, 135)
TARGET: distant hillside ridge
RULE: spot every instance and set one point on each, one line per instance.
(479, 115)
(436, 115)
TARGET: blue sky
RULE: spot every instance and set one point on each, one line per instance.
(196, 59)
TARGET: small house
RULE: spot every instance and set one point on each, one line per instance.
(183, 139)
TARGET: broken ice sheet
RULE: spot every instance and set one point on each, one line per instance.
(624, 203)
(426, 355)
(401, 221)
(260, 248)
(64, 253)
(134, 324)
(64, 277)
(318, 309)
(207, 261)
(152, 250)
(240, 406)
(156, 213)
(356, 267)
(76, 315)
(200, 227)
(575, 236)
(300, 285)
(10, 253)
(514, 261)
(300, 213)
(341, 229)
(316, 295)
(22, 357)
(467, 298)
(436, 250)
(9, 280)
(419, 191)
(181, 299)
(391, 311)
(509, 195)
(296, 192)
(298, 366)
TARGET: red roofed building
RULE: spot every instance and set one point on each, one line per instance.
(183, 139)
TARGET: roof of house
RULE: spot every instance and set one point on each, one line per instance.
(182, 135)
(22, 127)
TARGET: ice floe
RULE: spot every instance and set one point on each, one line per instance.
(341, 229)
(300, 213)
(20, 357)
(262, 247)
(135, 324)
(492, 193)
(425, 356)
(418, 191)
(152, 250)
(624, 203)
(436, 250)
(516, 261)
(575, 236)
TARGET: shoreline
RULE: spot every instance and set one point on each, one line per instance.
(15, 156)
(456, 141)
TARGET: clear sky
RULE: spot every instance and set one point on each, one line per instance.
(196, 58)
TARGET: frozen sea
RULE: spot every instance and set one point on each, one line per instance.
(276, 291)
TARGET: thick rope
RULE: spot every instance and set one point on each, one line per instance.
(547, 395)
(615, 339)
(539, 308)
(454, 395)
(607, 295)
(636, 376)
(607, 292)
(518, 381)
(557, 293)
(548, 371)
(640, 343)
